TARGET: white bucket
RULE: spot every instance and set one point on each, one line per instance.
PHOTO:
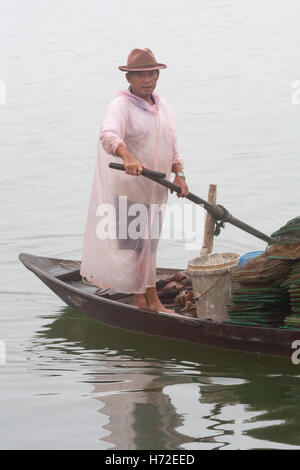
(211, 280)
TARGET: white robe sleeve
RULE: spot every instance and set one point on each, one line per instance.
(112, 131)
(175, 155)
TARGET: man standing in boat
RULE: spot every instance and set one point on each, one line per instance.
(138, 128)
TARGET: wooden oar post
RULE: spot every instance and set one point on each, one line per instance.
(208, 239)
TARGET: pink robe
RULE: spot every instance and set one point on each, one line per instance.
(148, 133)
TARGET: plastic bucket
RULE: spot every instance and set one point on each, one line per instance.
(211, 280)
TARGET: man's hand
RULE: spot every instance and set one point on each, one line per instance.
(180, 181)
(132, 166)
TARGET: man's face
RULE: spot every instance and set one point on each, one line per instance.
(143, 83)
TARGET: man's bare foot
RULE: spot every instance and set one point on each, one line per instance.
(160, 308)
(150, 301)
(139, 300)
(154, 302)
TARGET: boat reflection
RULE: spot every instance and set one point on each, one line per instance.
(164, 394)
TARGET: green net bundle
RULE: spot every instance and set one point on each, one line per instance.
(261, 306)
(289, 233)
(292, 283)
(285, 242)
(268, 292)
(263, 271)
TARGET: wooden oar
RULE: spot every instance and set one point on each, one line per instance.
(218, 212)
(145, 171)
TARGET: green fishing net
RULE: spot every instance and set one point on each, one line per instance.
(289, 234)
(268, 292)
(292, 283)
(292, 227)
(259, 306)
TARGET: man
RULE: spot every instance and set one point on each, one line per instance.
(139, 129)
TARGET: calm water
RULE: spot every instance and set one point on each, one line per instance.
(69, 382)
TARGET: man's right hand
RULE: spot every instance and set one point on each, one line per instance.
(132, 166)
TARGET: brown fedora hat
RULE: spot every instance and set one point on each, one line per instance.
(141, 60)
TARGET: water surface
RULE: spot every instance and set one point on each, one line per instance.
(69, 382)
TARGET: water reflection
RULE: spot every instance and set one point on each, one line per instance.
(162, 394)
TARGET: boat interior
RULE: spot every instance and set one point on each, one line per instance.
(171, 284)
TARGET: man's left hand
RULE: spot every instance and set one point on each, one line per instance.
(180, 181)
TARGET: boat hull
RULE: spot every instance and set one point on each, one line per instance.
(263, 340)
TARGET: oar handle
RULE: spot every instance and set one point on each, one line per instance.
(216, 211)
(145, 172)
(160, 178)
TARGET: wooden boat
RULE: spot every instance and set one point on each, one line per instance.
(63, 278)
